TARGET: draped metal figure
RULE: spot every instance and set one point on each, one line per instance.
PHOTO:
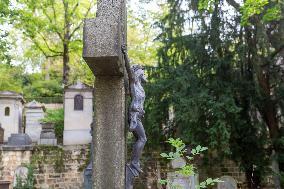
(136, 112)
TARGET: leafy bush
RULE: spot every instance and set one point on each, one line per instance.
(43, 88)
(57, 118)
(188, 169)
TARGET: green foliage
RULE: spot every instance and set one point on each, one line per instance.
(251, 8)
(10, 78)
(44, 88)
(179, 149)
(55, 156)
(142, 47)
(54, 29)
(27, 183)
(219, 83)
(206, 5)
(260, 7)
(188, 169)
(56, 117)
(272, 14)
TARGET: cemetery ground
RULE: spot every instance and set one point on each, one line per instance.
(164, 94)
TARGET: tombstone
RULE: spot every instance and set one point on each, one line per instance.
(47, 135)
(34, 112)
(103, 38)
(21, 174)
(78, 114)
(11, 108)
(228, 183)
(1, 135)
(178, 180)
(19, 139)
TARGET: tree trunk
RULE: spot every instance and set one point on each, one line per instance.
(46, 69)
(65, 63)
(66, 44)
(269, 113)
(253, 179)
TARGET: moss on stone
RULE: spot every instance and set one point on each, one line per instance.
(53, 155)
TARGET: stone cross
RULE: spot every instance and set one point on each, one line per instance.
(103, 38)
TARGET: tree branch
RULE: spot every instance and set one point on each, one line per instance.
(43, 51)
(49, 48)
(276, 52)
(74, 9)
(55, 21)
(81, 23)
(234, 4)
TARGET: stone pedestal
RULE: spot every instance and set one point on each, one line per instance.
(47, 135)
(180, 181)
(20, 139)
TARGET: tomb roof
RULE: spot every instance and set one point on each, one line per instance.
(11, 95)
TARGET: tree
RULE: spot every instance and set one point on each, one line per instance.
(54, 27)
(11, 78)
(220, 74)
(5, 45)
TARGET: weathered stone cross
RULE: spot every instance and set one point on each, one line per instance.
(103, 37)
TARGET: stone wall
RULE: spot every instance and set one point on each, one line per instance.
(55, 167)
(62, 167)
(10, 159)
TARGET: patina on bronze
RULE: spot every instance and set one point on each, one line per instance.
(136, 112)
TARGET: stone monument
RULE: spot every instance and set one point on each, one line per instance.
(34, 112)
(103, 38)
(228, 183)
(11, 108)
(78, 114)
(47, 135)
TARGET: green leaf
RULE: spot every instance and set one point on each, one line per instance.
(164, 155)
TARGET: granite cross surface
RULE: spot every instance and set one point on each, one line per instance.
(103, 38)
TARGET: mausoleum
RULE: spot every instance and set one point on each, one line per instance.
(11, 108)
(78, 114)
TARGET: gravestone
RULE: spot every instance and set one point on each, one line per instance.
(228, 183)
(178, 180)
(21, 174)
(19, 139)
(11, 108)
(78, 114)
(103, 38)
(47, 135)
(34, 112)
(1, 135)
